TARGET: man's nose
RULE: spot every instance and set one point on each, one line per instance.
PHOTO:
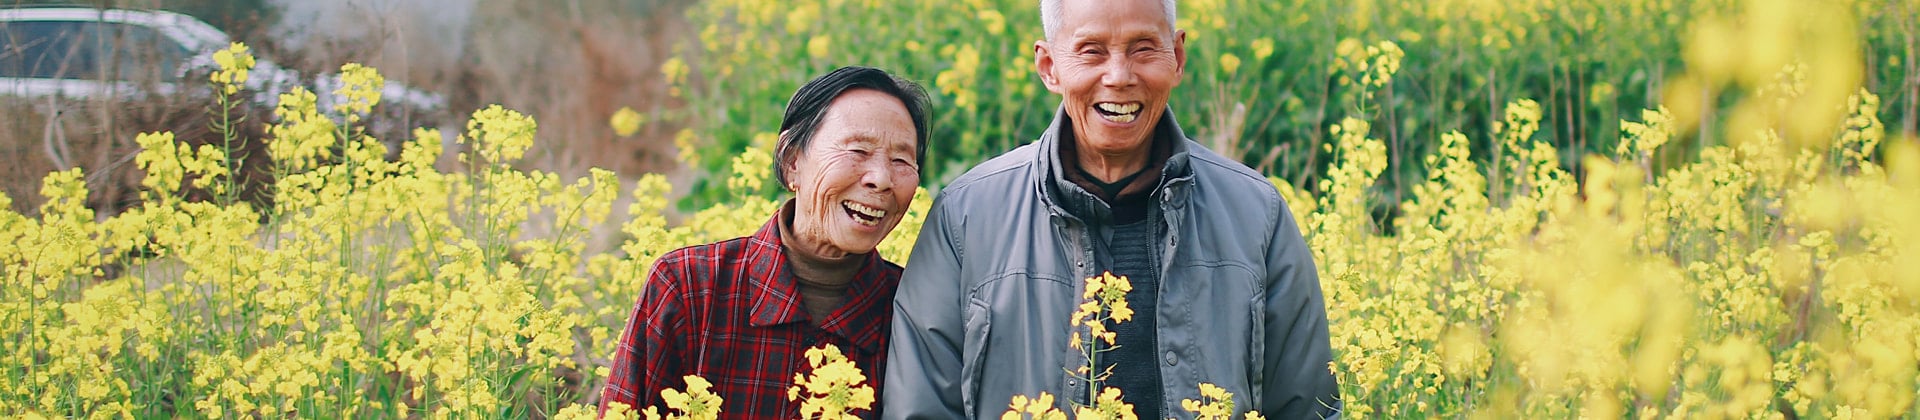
(1118, 72)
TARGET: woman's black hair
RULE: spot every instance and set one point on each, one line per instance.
(809, 106)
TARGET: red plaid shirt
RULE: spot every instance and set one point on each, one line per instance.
(731, 313)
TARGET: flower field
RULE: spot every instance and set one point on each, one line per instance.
(1645, 253)
(1267, 77)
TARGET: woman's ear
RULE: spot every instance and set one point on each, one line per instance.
(788, 160)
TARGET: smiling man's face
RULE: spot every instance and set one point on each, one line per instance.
(1114, 64)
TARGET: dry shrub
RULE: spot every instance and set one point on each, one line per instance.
(568, 64)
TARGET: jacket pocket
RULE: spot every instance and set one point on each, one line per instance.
(1256, 351)
(979, 326)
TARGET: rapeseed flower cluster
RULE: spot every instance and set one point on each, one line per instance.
(303, 134)
(373, 287)
(626, 121)
(1102, 301)
(500, 135)
(834, 388)
(697, 403)
(359, 91)
(1215, 403)
(234, 63)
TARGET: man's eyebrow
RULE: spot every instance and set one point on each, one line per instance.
(1131, 36)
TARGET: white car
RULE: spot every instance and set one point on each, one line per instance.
(51, 53)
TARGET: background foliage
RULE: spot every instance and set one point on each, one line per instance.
(1264, 77)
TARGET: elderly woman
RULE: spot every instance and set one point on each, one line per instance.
(741, 313)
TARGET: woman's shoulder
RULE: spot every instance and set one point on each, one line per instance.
(707, 266)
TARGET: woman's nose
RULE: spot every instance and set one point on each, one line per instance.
(875, 176)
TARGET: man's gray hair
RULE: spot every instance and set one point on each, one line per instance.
(1050, 11)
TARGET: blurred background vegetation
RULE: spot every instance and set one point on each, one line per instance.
(1263, 84)
(1262, 81)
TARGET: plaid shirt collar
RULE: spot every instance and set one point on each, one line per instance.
(776, 297)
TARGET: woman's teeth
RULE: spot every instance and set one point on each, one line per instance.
(865, 215)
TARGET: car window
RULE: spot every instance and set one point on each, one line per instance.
(139, 53)
(51, 49)
(10, 62)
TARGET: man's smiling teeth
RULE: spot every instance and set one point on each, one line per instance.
(1119, 108)
(865, 215)
(1120, 113)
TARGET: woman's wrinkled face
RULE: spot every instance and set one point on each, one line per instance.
(855, 178)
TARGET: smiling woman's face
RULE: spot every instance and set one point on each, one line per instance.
(855, 178)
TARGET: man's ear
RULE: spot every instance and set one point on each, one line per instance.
(1180, 52)
(1043, 65)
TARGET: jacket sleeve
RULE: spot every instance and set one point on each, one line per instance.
(923, 356)
(645, 361)
(1296, 377)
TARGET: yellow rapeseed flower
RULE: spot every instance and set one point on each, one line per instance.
(835, 388)
(993, 21)
(960, 79)
(817, 47)
(1039, 408)
(626, 121)
(750, 171)
(301, 135)
(359, 90)
(1215, 403)
(1229, 63)
(500, 135)
(697, 403)
(1262, 48)
(233, 64)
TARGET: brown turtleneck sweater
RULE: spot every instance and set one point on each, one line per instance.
(822, 281)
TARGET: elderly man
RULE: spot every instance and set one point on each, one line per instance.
(1224, 288)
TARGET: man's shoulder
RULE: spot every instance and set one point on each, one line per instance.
(1010, 167)
(1229, 176)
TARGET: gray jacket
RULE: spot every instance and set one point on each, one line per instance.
(982, 311)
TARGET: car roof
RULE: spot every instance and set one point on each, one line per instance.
(198, 34)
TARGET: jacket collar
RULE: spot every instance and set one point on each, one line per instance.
(1069, 199)
(776, 297)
